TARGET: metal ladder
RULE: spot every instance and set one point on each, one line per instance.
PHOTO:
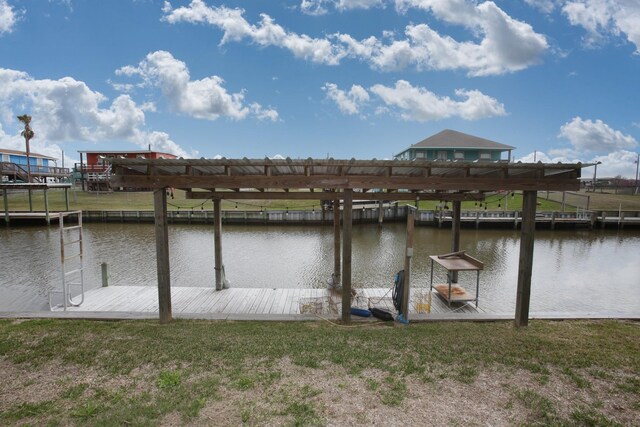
(71, 265)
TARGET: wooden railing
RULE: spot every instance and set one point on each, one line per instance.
(20, 171)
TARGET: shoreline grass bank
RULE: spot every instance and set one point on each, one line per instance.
(61, 372)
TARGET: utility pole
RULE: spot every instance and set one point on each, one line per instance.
(637, 165)
(595, 174)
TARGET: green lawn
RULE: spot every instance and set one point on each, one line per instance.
(117, 201)
(79, 200)
(62, 372)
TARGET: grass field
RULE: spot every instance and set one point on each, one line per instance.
(62, 372)
(79, 200)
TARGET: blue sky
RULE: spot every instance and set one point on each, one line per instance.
(558, 79)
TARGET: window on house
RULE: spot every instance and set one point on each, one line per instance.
(442, 155)
(458, 155)
(420, 155)
(485, 155)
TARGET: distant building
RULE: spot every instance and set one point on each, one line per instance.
(13, 167)
(94, 169)
(452, 145)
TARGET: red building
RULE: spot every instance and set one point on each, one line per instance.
(94, 169)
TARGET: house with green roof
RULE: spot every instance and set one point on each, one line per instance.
(456, 146)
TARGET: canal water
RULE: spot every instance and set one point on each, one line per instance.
(574, 270)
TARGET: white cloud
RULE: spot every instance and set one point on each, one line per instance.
(617, 163)
(546, 6)
(67, 109)
(203, 99)
(315, 7)
(592, 142)
(267, 33)
(420, 104)
(321, 7)
(595, 136)
(505, 45)
(357, 4)
(603, 18)
(348, 102)
(8, 17)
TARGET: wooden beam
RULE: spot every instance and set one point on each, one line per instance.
(308, 195)
(455, 235)
(217, 240)
(525, 265)
(473, 183)
(346, 255)
(336, 241)
(162, 254)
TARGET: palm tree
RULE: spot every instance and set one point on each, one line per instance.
(28, 134)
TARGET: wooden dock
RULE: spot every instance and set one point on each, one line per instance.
(257, 303)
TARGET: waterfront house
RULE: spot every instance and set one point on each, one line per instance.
(94, 169)
(452, 145)
(13, 167)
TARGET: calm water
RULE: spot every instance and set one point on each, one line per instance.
(573, 270)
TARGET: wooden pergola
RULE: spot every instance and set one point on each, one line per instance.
(343, 181)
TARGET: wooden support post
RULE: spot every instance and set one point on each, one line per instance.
(525, 266)
(455, 234)
(46, 207)
(66, 199)
(336, 242)
(380, 212)
(346, 256)
(162, 254)
(105, 276)
(5, 197)
(81, 171)
(217, 240)
(407, 264)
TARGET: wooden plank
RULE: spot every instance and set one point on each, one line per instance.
(253, 308)
(309, 195)
(162, 254)
(473, 183)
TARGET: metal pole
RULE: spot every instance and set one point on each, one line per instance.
(6, 206)
(407, 265)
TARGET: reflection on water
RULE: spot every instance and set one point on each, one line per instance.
(573, 270)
